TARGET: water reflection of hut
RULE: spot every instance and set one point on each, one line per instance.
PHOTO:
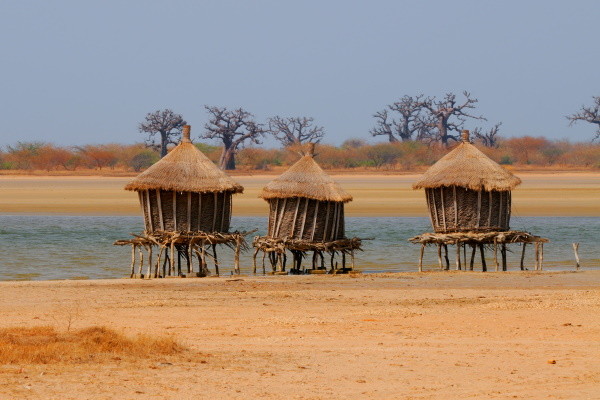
(306, 213)
(469, 200)
(186, 203)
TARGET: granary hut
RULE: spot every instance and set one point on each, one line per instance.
(306, 213)
(466, 191)
(186, 203)
(305, 203)
(185, 192)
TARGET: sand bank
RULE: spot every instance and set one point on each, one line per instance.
(541, 194)
(427, 336)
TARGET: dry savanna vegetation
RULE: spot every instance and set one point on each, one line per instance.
(353, 154)
(46, 345)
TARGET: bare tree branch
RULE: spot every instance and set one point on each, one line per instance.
(489, 138)
(295, 130)
(410, 123)
(167, 124)
(443, 110)
(588, 114)
(233, 128)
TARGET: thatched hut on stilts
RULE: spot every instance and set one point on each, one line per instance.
(469, 200)
(306, 214)
(186, 203)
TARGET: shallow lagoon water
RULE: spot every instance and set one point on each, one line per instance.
(38, 247)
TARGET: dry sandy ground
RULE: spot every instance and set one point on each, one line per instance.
(405, 336)
(541, 194)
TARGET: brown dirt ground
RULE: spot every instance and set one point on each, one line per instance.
(541, 194)
(411, 336)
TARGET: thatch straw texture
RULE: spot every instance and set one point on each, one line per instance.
(467, 167)
(305, 179)
(185, 169)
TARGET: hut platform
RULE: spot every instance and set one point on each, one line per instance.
(276, 251)
(480, 240)
(172, 247)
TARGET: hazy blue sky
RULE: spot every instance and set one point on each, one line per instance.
(75, 72)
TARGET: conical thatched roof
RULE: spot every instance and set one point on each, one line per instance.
(466, 166)
(305, 179)
(185, 169)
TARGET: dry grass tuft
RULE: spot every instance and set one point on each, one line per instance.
(44, 345)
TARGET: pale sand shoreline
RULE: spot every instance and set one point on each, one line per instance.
(451, 335)
(541, 194)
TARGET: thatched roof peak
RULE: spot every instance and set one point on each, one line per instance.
(466, 166)
(185, 169)
(305, 179)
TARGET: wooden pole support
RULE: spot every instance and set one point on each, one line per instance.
(421, 258)
(576, 251)
(132, 260)
(522, 266)
(483, 264)
(497, 266)
(447, 267)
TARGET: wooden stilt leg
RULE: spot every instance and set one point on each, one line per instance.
(166, 262)
(541, 256)
(352, 259)
(149, 273)
(497, 266)
(523, 257)
(178, 262)
(439, 252)
(236, 263)
(483, 264)
(504, 266)
(172, 269)
(157, 269)
(254, 260)
(446, 257)
(214, 248)
(576, 251)
(473, 252)
(132, 261)
(537, 255)
(421, 257)
(204, 268)
(332, 257)
(141, 266)
(458, 256)
(190, 266)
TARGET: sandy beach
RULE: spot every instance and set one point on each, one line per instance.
(541, 194)
(409, 336)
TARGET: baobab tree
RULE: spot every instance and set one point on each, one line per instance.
(295, 130)
(167, 124)
(447, 115)
(489, 138)
(233, 128)
(409, 123)
(588, 114)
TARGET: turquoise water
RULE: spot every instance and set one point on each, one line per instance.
(36, 247)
